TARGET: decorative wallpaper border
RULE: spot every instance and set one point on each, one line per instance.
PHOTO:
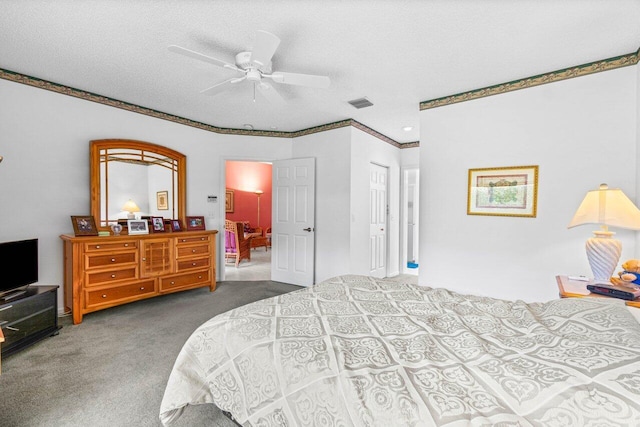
(554, 76)
(89, 96)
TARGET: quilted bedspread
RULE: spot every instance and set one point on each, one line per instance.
(356, 350)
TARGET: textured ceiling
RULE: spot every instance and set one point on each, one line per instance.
(396, 53)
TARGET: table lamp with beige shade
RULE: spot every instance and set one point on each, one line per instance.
(609, 207)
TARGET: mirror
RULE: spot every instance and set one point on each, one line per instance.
(149, 175)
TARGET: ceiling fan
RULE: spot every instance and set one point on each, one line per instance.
(255, 67)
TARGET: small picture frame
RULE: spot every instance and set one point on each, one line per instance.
(138, 226)
(228, 201)
(175, 225)
(195, 223)
(162, 200)
(157, 224)
(84, 225)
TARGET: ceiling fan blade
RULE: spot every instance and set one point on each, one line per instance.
(270, 93)
(220, 87)
(297, 79)
(202, 57)
(264, 47)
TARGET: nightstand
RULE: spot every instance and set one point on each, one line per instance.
(578, 289)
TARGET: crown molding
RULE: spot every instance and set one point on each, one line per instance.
(554, 76)
(93, 97)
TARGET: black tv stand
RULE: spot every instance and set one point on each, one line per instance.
(12, 295)
(28, 317)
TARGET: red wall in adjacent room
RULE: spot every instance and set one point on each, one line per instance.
(244, 178)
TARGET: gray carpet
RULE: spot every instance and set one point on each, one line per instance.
(111, 369)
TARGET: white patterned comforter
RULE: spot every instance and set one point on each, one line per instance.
(356, 350)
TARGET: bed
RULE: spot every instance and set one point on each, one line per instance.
(355, 350)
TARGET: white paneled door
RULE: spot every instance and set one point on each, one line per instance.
(378, 220)
(293, 222)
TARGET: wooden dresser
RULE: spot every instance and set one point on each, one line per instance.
(103, 272)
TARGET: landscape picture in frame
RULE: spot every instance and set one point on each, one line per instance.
(503, 191)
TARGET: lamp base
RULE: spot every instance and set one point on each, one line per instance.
(603, 252)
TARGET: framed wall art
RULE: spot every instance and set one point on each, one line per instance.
(228, 201)
(195, 223)
(162, 200)
(84, 225)
(503, 191)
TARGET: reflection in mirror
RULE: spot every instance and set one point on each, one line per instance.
(134, 174)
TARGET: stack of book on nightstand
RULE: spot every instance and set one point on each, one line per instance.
(617, 291)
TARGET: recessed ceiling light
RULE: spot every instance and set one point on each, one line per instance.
(407, 128)
(247, 126)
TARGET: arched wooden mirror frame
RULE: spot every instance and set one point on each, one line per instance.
(97, 152)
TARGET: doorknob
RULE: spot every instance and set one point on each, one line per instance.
(307, 229)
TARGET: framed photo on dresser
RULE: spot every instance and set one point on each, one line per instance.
(84, 225)
(195, 223)
(157, 224)
(138, 226)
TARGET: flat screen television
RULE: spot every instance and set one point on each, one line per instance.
(18, 266)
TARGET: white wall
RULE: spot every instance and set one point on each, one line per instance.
(44, 178)
(333, 170)
(581, 132)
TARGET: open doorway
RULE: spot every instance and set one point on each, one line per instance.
(410, 223)
(248, 201)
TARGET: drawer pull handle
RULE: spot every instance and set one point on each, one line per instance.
(6, 308)
(199, 277)
(193, 251)
(11, 328)
(113, 260)
(144, 259)
(193, 263)
(113, 276)
(126, 245)
(104, 295)
(142, 288)
(97, 246)
(173, 283)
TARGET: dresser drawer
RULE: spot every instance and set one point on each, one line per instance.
(189, 251)
(185, 280)
(97, 261)
(111, 246)
(190, 264)
(111, 276)
(192, 239)
(119, 293)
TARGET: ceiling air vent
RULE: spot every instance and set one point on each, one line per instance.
(361, 103)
